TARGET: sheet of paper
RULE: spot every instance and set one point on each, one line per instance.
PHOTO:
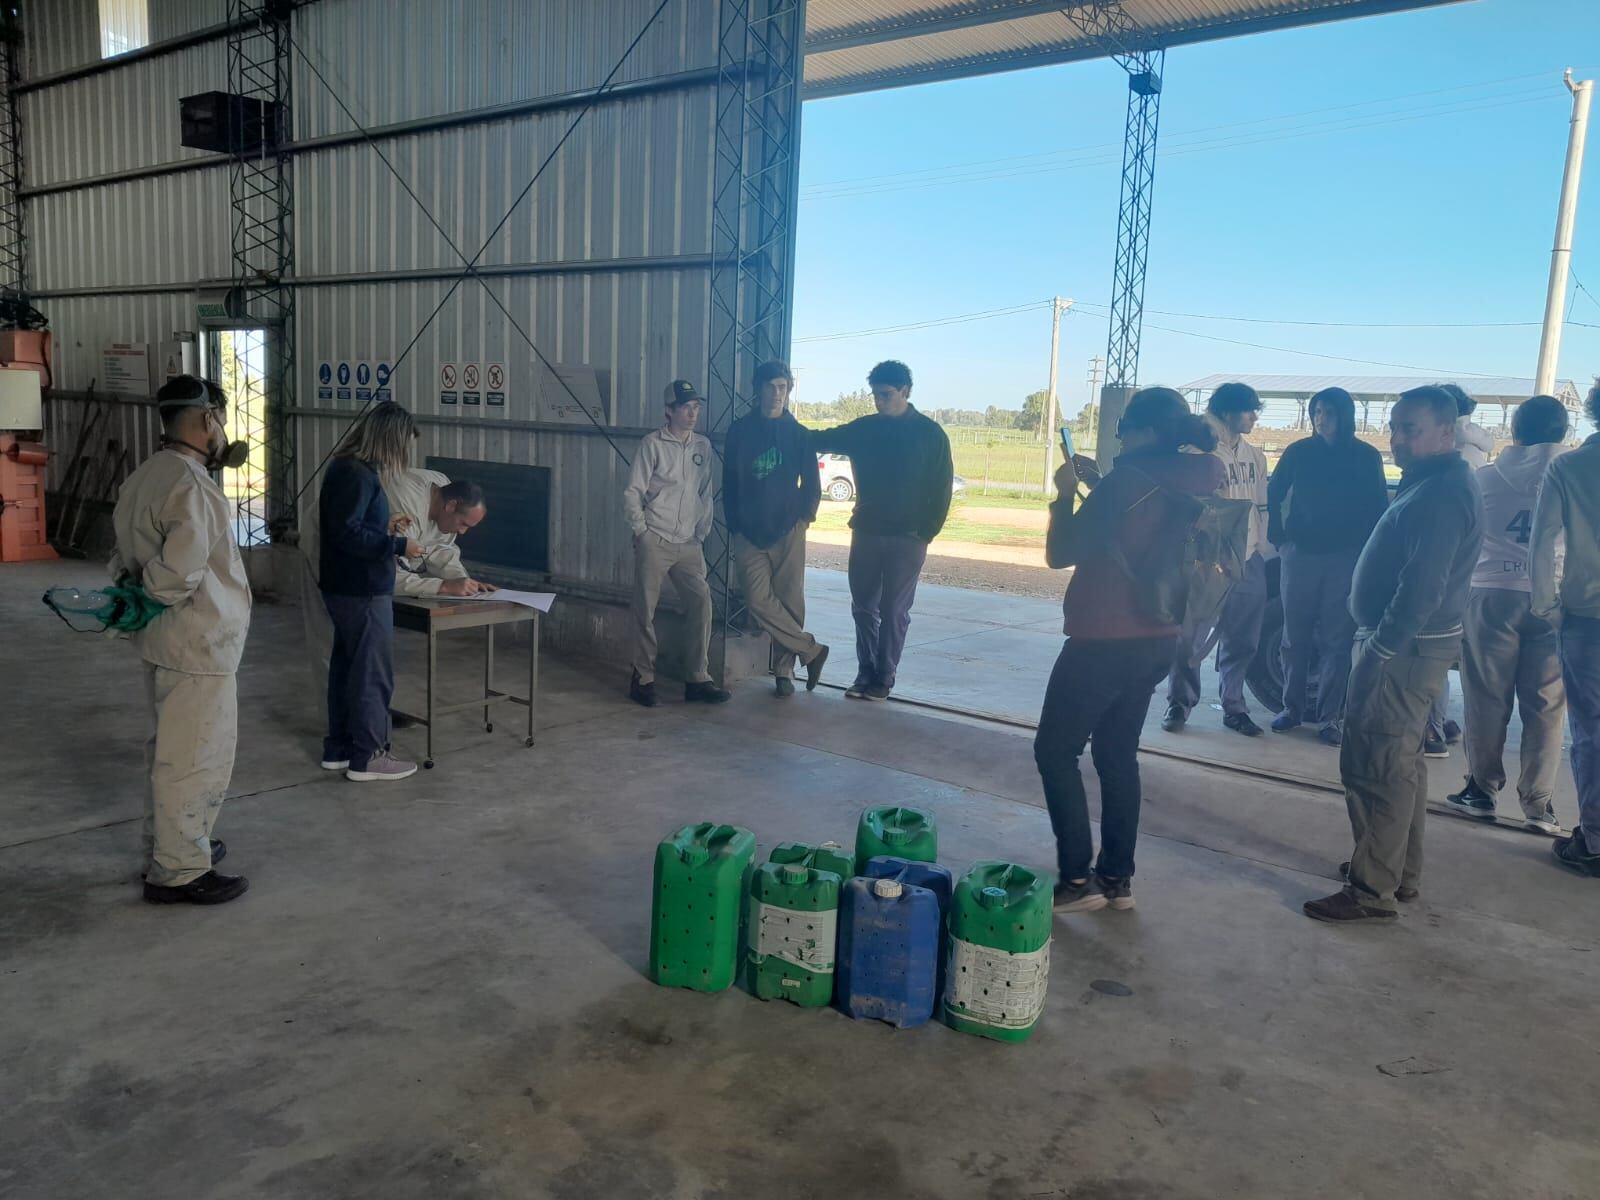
(540, 600)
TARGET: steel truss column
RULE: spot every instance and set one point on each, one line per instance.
(1109, 23)
(13, 243)
(760, 50)
(263, 255)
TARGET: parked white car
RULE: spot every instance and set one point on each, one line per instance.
(839, 478)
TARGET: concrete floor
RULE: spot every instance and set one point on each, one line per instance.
(435, 990)
(991, 653)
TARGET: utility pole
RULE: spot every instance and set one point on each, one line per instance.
(1057, 307)
(1555, 301)
(1093, 424)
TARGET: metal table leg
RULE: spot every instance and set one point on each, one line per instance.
(533, 673)
(488, 676)
(433, 655)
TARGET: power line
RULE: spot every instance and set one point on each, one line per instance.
(1097, 155)
(1482, 83)
(1333, 324)
(960, 319)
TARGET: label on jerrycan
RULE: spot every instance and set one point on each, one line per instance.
(806, 939)
(995, 988)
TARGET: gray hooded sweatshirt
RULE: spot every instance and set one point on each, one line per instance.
(1510, 487)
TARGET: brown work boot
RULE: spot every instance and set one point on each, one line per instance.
(1342, 907)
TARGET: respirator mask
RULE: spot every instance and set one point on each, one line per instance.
(189, 392)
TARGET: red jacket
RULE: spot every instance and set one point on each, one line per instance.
(1099, 602)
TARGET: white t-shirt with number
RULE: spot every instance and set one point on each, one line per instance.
(1510, 487)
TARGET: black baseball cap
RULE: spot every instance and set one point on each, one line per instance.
(681, 391)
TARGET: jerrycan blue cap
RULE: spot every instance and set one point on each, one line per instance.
(992, 897)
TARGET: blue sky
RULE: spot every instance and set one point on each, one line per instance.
(1385, 170)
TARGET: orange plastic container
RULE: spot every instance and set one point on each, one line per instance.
(22, 501)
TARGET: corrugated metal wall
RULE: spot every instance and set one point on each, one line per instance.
(618, 226)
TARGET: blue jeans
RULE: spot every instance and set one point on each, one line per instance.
(360, 678)
(1580, 669)
(1099, 695)
(1315, 590)
(884, 568)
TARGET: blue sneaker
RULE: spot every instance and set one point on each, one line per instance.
(1330, 734)
(1284, 722)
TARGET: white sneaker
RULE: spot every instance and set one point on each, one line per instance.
(329, 764)
(1545, 823)
(383, 767)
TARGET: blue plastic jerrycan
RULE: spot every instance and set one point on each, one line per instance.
(932, 876)
(889, 933)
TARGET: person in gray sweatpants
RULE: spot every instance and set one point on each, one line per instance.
(1407, 596)
(1511, 656)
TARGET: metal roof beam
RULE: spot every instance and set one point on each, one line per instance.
(914, 24)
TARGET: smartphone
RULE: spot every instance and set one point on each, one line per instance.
(1067, 447)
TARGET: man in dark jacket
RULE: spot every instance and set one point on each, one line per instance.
(770, 490)
(903, 474)
(1408, 597)
(1324, 497)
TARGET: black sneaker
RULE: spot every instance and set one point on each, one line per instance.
(1084, 895)
(1452, 733)
(1472, 801)
(1118, 892)
(1434, 747)
(1175, 719)
(1574, 852)
(1241, 723)
(858, 689)
(1342, 907)
(210, 888)
(784, 686)
(814, 669)
(878, 691)
(642, 693)
(219, 851)
(706, 692)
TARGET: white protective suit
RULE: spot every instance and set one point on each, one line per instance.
(174, 531)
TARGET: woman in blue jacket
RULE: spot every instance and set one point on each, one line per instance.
(359, 544)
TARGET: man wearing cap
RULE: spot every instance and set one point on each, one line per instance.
(174, 531)
(770, 490)
(668, 506)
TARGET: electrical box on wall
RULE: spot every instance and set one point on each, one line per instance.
(229, 124)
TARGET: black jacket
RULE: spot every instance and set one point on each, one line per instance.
(1323, 498)
(357, 554)
(770, 481)
(1412, 579)
(903, 472)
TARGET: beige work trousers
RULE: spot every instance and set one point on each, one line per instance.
(190, 761)
(775, 592)
(656, 559)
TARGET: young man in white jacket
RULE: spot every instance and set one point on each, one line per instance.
(440, 512)
(1510, 656)
(668, 505)
(1232, 412)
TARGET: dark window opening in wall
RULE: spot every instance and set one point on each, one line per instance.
(515, 533)
(124, 26)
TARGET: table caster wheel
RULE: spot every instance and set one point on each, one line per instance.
(427, 764)
(489, 727)
(528, 742)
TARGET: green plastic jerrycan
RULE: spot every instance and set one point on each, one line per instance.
(699, 895)
(794, 926)
(830, 856)
(898, 832)
(999, 957)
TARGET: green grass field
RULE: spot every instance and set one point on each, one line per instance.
(999, 459)
(958, 528)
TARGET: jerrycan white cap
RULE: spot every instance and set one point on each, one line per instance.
(888, 889)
